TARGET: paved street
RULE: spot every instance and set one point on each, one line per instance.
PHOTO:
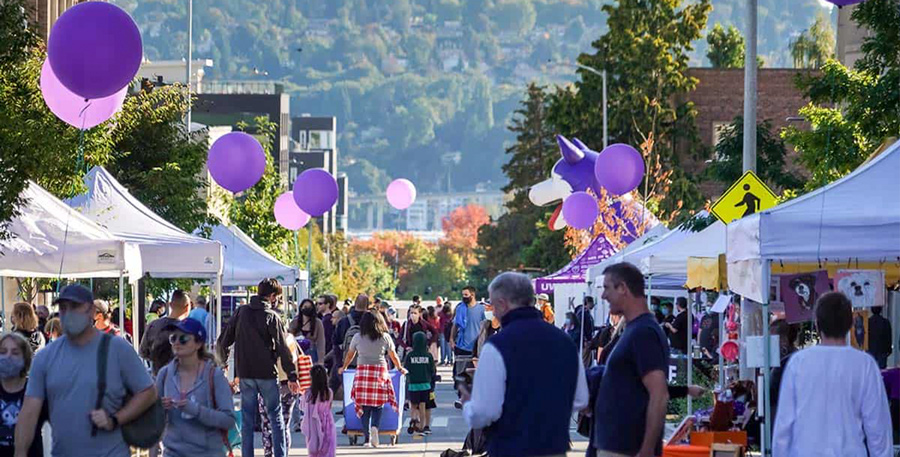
(449, 432)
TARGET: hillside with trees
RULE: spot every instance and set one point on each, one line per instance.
(413, 80)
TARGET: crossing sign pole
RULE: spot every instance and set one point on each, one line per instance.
(748, 195)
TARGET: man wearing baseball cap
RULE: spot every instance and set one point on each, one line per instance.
(64, 374)
(543, 301)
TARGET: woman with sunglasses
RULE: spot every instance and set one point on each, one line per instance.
(196, 395)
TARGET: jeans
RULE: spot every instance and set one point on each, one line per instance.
(446, 353)
(268, 390)
(288, 403)
(371, 418)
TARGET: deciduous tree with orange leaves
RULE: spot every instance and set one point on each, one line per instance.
(461, 231)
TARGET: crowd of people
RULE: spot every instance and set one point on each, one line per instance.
(504, 352)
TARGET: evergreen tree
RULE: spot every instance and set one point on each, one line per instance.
(532, 156)
(727, 164)
(726, 47)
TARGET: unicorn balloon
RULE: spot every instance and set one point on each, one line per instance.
(574, 172)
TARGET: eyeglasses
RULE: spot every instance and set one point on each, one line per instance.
(180, 339)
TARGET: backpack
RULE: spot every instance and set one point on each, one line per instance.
(160, 348)
(143, 432)
(351, 332)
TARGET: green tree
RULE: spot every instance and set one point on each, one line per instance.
(815, 45)
(515, 15)
(726, 166)
(726, 47)
(532, 156)
(158, 161)
(868, 96)
(645, 52)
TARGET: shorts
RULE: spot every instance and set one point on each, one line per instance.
(419, 397)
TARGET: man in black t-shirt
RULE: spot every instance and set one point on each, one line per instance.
(709, 334)
(678, 330)
(630, 410)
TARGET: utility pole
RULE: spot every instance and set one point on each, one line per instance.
(750, 88)
(187, 117)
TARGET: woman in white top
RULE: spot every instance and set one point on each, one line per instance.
(833, 402)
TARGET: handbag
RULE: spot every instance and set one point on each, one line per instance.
(147, 429)
(231, 438)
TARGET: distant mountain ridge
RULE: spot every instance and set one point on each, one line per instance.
(411, 81)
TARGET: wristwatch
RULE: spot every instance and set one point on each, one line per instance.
(114, 421)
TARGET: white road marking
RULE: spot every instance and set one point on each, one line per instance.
(440, 422)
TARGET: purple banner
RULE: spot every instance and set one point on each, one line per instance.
(599, 250)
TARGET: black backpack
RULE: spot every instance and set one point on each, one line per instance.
(160, 348)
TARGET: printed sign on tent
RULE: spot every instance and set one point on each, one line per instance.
(748, 195)
(864, 288)
(799, 293)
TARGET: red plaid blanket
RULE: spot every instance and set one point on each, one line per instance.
(372, 387)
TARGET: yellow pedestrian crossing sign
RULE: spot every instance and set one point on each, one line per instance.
(749, 195)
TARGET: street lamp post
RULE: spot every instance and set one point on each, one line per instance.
(187, 118)
(602, 75)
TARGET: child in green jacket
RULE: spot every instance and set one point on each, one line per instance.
(422, 370)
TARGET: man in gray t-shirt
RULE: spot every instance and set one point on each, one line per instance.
(65, 375)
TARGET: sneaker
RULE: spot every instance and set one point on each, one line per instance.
(457, 404)
(373, 437)
(412, 427)
(426, 430)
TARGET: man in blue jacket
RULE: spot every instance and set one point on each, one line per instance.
(510, 395)
(465, 330)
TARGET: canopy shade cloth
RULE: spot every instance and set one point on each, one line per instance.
(856, 218)
(246, 264)
(49, 239)
(165, 250)
(709, 242)
(574, 272)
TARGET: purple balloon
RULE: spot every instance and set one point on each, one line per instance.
(580, 210)
(619, 168)
(95, 49)
(288, 214)
(73, 109)
(315, 191)
(842, 3)
(236, 161)
(401, 193)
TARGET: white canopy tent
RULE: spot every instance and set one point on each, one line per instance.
(51, 240)
(709, 242)
(246, 263)
(165, 250)
(855, 218)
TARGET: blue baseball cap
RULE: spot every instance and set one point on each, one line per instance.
(75, 293)
(190, 327)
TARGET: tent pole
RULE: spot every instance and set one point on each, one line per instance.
(122, 300)
(690, 354)
(3, 300)
(219, 279)
(135, 318)
(722, 340)
(766, 407)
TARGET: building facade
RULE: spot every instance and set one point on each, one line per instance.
(44, 13)
(850, 37)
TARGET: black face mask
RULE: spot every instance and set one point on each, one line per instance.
(468, 299)
(308, 312)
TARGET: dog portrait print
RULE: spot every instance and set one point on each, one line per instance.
(864, 288)
(799, 293)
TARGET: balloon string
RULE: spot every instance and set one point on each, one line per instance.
(79, 163)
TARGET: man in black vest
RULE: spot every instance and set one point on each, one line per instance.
(630, 410)
(515, 368)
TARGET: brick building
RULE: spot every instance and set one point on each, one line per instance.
(44, 13)
(719, 97)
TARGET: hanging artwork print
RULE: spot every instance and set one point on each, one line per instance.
(864, 288)
(799, 293)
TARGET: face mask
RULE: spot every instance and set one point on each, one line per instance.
(665, 311)
(75, 323)
(308, 312)
(467, 299)
(11, 366)
(654, 308)
(489, 315)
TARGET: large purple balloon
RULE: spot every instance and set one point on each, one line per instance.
(287, 214)
(401, 193)
(842, 3)
(73, 109)
(315, 191)
(95, 49)
(236, 161)
(619, 168)
(580, 210)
